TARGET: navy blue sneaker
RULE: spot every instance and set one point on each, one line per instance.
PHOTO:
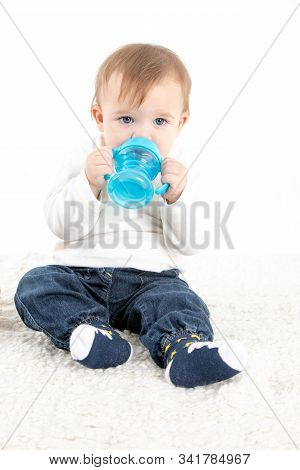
(99, 347)
(190, 363)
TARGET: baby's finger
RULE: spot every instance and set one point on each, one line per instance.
(103, 156)
(109, 161)
(170, 178)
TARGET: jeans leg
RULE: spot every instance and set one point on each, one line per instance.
(168, 309)
(55, 299)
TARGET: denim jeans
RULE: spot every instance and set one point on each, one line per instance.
(158, 306)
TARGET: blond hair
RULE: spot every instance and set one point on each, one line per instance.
(142, 66)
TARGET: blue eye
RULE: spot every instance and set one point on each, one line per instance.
(128, 120)
(160, 119)
(125, 117)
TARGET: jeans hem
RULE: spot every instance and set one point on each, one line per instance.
(90, 320)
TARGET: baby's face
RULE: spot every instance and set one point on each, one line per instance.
(159, 118)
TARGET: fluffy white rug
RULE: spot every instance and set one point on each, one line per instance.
(50, 402)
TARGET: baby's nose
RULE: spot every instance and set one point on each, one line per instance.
(141, 134)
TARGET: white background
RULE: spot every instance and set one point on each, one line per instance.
(253, 157)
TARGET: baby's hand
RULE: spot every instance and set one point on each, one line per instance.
(97, 164)
(174, 173)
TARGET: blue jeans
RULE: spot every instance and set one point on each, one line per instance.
(158, 306)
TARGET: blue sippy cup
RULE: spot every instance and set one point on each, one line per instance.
(137, 163)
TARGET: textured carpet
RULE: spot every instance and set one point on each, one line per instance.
(50, 402)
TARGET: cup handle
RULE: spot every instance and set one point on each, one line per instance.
(163, 189)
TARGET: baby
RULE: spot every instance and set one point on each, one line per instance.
(102, 281)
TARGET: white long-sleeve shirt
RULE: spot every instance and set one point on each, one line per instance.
(99, 233)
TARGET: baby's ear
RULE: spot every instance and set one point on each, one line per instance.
(183, 119)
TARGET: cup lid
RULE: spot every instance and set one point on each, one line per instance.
(143, 142)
